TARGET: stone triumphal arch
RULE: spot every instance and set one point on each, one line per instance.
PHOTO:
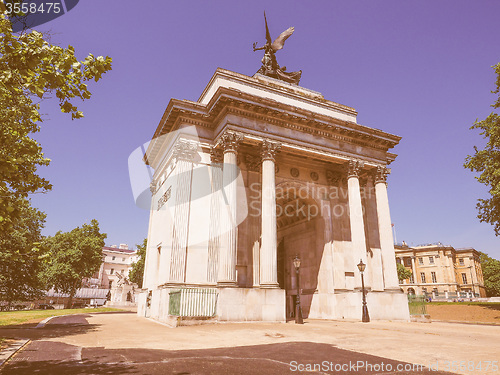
(254, 173)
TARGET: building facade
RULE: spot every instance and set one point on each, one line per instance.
(441, 271)
(116, 263)
(250, 176)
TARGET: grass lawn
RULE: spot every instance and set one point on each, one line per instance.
(471, 312)
(466, 303)
(8, 318)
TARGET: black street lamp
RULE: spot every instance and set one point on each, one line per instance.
(361, 268)
(298, 309)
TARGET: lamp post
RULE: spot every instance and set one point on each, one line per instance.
(298, 309)
(361, 268)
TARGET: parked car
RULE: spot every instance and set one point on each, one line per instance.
(44, 306)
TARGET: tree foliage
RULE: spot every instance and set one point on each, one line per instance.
(31, 69)
(136, 274)
(403, 272)
(487, 162)
(72, 256)
(20, 256)
(491, 274)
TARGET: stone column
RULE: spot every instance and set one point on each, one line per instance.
(184, 153)
(385, 229)
(215, 208)
(358, 239)
(253, 164)
(268, 251)
(334, 180)
(413, 269)
(227, 254)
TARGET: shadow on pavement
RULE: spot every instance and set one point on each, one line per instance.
(47, 357)
(67, 368)
(59, 326)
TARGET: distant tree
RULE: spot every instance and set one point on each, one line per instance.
(20, 256)
(31, 69)
(72, 256)
(487, 162)
(403, 272)
(491, 274)
(136, 274)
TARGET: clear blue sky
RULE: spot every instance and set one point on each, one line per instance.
(421, 70)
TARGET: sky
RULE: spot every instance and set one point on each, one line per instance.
(420, 70)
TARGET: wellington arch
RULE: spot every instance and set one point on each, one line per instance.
(255, 173)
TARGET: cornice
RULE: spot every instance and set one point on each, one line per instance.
(227, 100)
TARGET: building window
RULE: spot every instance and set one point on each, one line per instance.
(411, 280)
(110, 284)
(111, 271)
(407, 262)
(461, 261)
(435, 291)
(431, 260)
(422, 276)
(433, 276)
(464, 278)
(113, 258)
(123, 259)
(420, 260)
(398, 260)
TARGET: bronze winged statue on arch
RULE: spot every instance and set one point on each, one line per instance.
(270, 66)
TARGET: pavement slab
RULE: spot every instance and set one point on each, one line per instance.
(137, 345)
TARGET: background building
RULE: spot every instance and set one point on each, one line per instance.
(117, 262)
(441, 271)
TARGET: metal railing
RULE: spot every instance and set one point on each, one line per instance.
(417, 304)
(193, 302)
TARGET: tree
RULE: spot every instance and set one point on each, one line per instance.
(136, 274)
(491, 274)
(403, 272)
(72, 256)
(487, 163)
(20, 256)
(31, 69)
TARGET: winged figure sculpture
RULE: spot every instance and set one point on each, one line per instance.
(270, 66)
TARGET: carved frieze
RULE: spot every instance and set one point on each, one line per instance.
(252, 163)
(216, 155)
(294, 172)
(152, 187)
(269, 149)
(333, 178)
(164, 198)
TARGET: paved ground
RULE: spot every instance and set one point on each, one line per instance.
(122, 343)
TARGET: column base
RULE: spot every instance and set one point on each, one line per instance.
(393, 290)
(269, 285)
(227, 284)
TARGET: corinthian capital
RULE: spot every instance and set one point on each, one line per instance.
(269, 149)
(185, 150)
(381, 174)
(230, 141)
(354, 167)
